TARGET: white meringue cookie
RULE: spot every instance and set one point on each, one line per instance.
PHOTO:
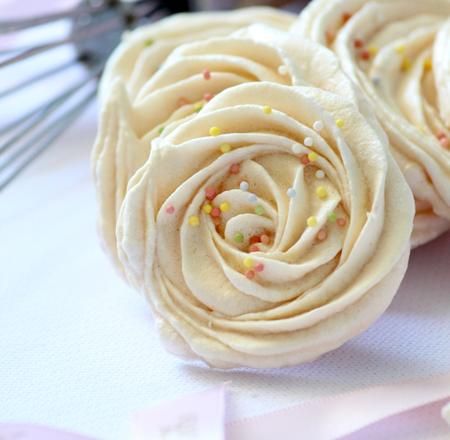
(398, 52)
(331, 260)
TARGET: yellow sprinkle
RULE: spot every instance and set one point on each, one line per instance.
(248, 262)
(225, 148)
(373, 50)
(267, 110)
(311, 221)
(340, 123)
(194, 220)
(313, 156)
(321, 192)
(224, 207)
(428, 64)
(149, 42)
(198, 106)
(207, 208)
(214, 131)
(406, 64)
(400, 48)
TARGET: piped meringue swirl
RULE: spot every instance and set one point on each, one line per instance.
(268, 229)
(399, 53)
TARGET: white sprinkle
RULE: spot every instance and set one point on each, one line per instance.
(318, 125)
(296, 148)
(291, 193)
(252, 198)
(244, 185)
(282, 70)
(320, 174)
(309, 141)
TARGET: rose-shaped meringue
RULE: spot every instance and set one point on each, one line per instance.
(141, 97)
(398, 52)
(268, 229)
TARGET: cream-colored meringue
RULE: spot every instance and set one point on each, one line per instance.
(140, 94)
(315, 282)
(398, 51)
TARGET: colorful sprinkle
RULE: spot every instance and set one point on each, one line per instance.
(214, 131)
(254, 248)
(210, 192)
(400, 48)
(311, 221)
(265, 239)
(428, 64)
(216, 221)
(215, 212)
(244, 186)
(313, 156)
(318, 125)
(238, 237)
(252, 198)
(194, 220)
(321, 192)
(365, 55)
(259, 267)
(332, 217)
(250, 274)
(248, 262)
(170, 209)
(291, 193)
(267, 110)
(296, 148)
(406, 64)
(207, 208)
(225, 148)
(340, 123)
(330, 36)
(373, 50)
(308, 141)
(440, 135)
(346, 17)
(445, 142)
(322, 235)
(224, 207)
(259, 210)
(235, 168)
(254, 239)
(304, 159)
(198, 106)
(358, 43)
(319, 174)
(341, 222)
(206, 73)
(148, 42)
(208, 96)
(161, 129)
(282, 70)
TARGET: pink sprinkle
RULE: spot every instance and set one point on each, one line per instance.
(265, 239)
(445, 142)
(235, 168)
(210, 193)
(440, 135)
(208, 96)
(215, 212)
(259, 267)
(206, 73)
(254, 248)
(304, 159)
(341, 222)
(322, 235)
(170, 209)
(250, 274)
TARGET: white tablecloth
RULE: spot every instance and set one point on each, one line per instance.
(77, 346)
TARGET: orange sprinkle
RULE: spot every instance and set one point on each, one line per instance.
(346, 17)
(445, 142)
(358, 43)
(365, 55)
(250, 274)
(341, 222)
(304, 159)
(182, 101)
(322, 235)
(206, 73)
(330, 36)
(208, 96)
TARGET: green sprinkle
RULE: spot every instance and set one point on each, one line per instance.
(148, 42)
(332, 217)
(239, 237)
(161, 129)
(259, 210)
